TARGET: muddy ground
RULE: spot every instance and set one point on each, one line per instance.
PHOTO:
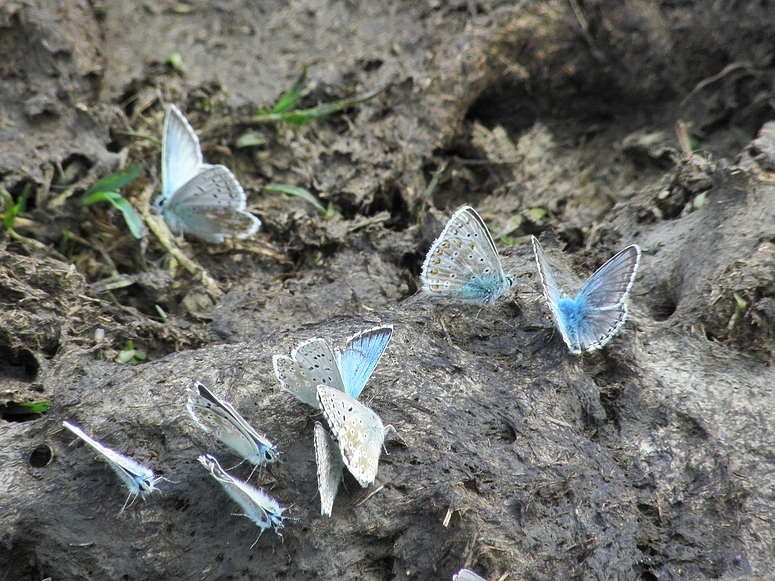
(652, 459)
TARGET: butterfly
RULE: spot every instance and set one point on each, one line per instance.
(358, 430)
(259, 507)
(140, 480)
(463, 263)
(591, 319)
(313, 363)
(197, 198)
(467, 575)
(329, 462)
(225, 423)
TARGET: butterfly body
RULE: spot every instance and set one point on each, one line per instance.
(463, 262)
(259, 507)
(139, 480)
(197, 198)
(227, 425)
(358, 430)
(594, 316)
(314, 363)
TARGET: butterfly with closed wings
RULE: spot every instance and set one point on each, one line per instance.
(259, 507)
(200, 199)
(329, 464)
(140, 480)
(467, 575)
(593, 317)
(358, 430)
(224, 422)
(463, 263)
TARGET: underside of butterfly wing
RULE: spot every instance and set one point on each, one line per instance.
(358, 430)
(311, 364)
(329, 468)
(210, 206)
(463, 262)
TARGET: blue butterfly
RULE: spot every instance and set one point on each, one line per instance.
(225, 423)
(591, 319)
(467, 575)
(197, 198)
(259, 507)
(139, 479)
(313, 363)
(463, 262)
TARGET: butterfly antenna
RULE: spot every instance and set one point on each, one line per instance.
(167, 480)
(256, 541)
(256, 467)
(127, 504)
(237, 466)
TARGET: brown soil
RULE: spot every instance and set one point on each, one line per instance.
(649, 460)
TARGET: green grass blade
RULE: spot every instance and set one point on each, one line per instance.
(291, 97)
(305, 116)
(298, 192)
(132, 219)
(116, 181)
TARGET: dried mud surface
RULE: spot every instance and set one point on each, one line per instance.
(650, 460)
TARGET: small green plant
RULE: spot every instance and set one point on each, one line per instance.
(283, 111)
(327, 212)
(130, 354)
(106, 190)
(11, 209)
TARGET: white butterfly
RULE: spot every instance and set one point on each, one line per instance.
(329, 462)
(259, 507)
(463, 262)
(197, 198)
(313, 363)
(467, 575)
(140, 480)
(591, 319)
(358, 430)
(225, 423)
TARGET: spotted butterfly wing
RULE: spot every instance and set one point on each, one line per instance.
(358, 430)
(200, 199)
(594, 316)
(220, 419)
(329, 464)
(360, 357)
(463, 262)
(312, 363)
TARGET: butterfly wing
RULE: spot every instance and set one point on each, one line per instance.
(329, 463)
(358, 430)
(463, 262)
(360, 357)
(551, 291)
(210, 206)
(181, 157)
(603, 299)
(467, 575)
(225, 423)
(312, 363)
